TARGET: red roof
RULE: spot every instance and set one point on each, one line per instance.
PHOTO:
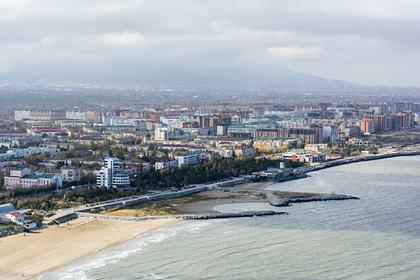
(15, 214)
(51, 129)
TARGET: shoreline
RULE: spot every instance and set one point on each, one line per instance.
(27, 257)
(33, 254)
(350, 160)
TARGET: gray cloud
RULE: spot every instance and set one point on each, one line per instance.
(371, 41)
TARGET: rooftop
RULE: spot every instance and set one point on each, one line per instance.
(40, 176)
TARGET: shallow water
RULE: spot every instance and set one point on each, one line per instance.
(376, 237)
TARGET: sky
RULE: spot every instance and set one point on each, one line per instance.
(371, 42)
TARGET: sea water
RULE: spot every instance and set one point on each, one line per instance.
(376, 237)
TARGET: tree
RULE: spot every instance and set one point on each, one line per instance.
(1, 179)
(120, 154)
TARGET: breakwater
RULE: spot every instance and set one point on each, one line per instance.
(182, 217)
(277, 201)
(233, 215)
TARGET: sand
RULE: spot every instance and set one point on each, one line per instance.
(26, 256)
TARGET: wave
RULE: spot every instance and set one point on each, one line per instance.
(79, 269)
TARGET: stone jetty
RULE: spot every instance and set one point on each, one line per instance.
(277, 201)
(233, 215)
(183, 217)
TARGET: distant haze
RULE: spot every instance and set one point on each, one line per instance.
(371, 42)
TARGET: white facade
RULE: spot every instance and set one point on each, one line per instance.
(24, 179)
(161, 134)
(165, 164)
(75, 115)
(21, 153)
(70, 174)
(22, 115)
(110, 175)
(103, 178)
(120, 180)
(190, 159)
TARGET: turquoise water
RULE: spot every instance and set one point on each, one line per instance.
(376, 237)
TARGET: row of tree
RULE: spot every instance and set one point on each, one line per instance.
(164, 179)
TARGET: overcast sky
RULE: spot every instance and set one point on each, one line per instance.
(374, 42)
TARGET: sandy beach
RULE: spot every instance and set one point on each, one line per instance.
(29, 255)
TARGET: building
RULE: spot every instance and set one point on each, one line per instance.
(4, 209)
(367, 126)
(310, 135)
(21, 153)
(244, 151)
(227, 152)
(75, 115)
(269, 145)
(70, 174)
(221, 130)
(24, 179)
(165, 164)
(190, 159)
(49, 131)
(303, 156)
(40, 115)
(22, 115)
(110, 175)
(161, 134)
(361, 142)
(120, 180)
(103, 178)
(329, 133)
(18, 218)
(316, 147)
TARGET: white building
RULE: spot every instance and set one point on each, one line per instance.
(173, 123)
(329, 132)
(70, 174)
(110, 175)
(190, 159)
(165, 164)
(75, 115)
(120, 180)
(103, 178)
(22, 115)
(24, 179)
(161, 133)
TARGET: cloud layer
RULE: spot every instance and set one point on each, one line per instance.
(370, 41)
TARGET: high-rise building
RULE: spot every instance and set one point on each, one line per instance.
(367, 126)
(110, 175)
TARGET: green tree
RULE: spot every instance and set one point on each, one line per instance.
(120, 154)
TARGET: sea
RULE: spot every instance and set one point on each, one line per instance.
(376, 237)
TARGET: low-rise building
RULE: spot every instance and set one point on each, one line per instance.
(361, 142)
(18, 218)
(165, 164)
(23, 178)
(70, 174)
(190, 159)
(316, 147)
(4, 209)
(304, 156)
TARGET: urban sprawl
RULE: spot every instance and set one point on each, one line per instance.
(53, 158)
